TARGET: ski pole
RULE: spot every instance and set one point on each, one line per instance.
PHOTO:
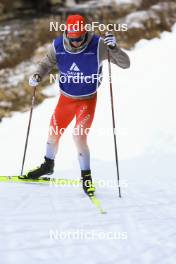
(113, 121)
(28, 130)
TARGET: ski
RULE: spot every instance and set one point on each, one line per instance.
(43, 180)
(53, 181)
(96, 202)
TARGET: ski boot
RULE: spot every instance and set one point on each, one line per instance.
(87, 184)
(45, 168)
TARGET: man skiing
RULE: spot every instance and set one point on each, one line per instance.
(78, 55)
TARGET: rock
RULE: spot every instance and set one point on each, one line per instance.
(26, 36)
(147, 23)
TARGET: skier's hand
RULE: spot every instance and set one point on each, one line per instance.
(110, 40)
(34, 80)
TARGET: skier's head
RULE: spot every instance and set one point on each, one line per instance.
(75, 30)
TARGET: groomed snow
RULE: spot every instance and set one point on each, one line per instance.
(145, 106)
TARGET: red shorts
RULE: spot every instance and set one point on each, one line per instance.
(68, 108)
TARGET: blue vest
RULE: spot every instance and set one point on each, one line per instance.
(79, 71)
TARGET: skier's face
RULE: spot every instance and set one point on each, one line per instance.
(77, 42)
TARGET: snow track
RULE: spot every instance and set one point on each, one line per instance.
(146, 214)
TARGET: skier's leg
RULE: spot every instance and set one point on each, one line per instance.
(63, 115)
(61, 118)
(84, 119)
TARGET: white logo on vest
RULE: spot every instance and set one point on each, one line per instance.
(74, 75)
(74, 67)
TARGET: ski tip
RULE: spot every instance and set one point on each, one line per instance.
(97, 203)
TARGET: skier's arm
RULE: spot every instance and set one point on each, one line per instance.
(117, 56)
(47, 63)
(44, 66)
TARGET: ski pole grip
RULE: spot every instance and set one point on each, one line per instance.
(37, 77)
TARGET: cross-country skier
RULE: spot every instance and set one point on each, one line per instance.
(78, 54)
